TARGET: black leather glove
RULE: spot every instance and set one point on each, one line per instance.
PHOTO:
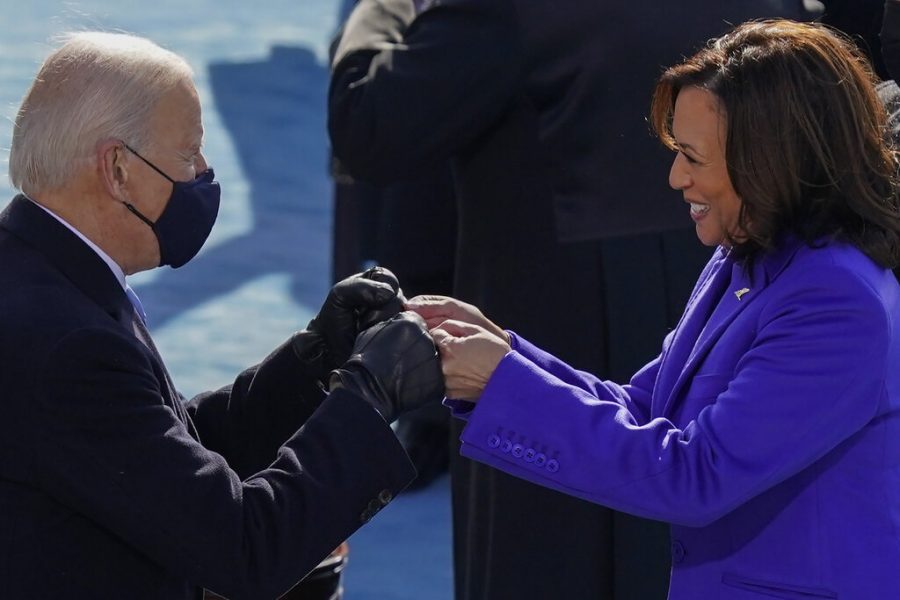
(352, 305)
(395, 367)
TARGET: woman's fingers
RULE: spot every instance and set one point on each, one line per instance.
(437, 307)
(431, 307)
(459, 329)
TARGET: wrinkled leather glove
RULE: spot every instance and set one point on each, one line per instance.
(395, 367)
(353, 305)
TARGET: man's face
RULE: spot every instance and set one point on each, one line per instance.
(176, 137)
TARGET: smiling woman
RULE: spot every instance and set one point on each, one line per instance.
(766, 431)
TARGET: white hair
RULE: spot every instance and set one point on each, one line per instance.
(96, 86)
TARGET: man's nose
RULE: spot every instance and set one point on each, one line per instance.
(201, 163)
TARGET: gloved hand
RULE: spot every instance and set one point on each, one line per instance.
(395, 367)
(352, 305)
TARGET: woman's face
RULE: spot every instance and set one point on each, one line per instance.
(699, 170)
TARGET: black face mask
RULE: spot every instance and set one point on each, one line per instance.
(188, 217)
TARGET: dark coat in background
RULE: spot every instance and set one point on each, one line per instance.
(890, 39)
(379, 225)
(568, 232)
(861, 21)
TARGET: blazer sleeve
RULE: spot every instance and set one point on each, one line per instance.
(634, 397)
(109, 448)
(814, 375)
(408, 91)
(248, 421)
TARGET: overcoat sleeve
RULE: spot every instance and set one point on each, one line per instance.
(109, 448)
(247, 421)
(408, 91)
(813, 376)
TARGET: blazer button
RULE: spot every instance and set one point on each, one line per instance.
(493, 440)
(529, 455)
(374, 505)
(553, 465)
(518, 450)
(366, 516)
(540, 459)
(385, 496)
(506, 446)
(678, 552)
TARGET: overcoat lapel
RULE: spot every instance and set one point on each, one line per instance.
(87, 271)
(70, 255)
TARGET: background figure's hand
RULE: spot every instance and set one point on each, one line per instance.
(437, 309)
(353, 305)
(394, 367)
(469, 355)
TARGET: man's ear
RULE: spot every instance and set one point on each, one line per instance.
(111, 163)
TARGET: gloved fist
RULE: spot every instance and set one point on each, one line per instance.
(371, 314)
(395, 367)
(352, 305)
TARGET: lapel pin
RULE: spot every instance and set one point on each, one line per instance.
(741, 292)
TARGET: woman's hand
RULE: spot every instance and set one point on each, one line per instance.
(437, 309)
(469, 355)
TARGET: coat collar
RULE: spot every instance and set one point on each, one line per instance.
(711, 310)
(65, 251)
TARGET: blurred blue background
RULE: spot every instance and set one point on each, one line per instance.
(261, 70)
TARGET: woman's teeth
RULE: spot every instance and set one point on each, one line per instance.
(699, 209)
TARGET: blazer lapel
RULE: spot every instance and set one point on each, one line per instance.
(741, 292)
(713, 280)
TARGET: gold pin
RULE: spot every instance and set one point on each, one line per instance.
(741, 292)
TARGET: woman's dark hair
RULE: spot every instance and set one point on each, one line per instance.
(807, 148)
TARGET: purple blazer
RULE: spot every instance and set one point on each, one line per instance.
(766, 432)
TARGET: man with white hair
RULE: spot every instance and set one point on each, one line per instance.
(110, 485)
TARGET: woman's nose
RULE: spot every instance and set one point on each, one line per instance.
(679, 178)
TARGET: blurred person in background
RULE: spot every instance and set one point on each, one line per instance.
(379, 225)
(564, 224)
